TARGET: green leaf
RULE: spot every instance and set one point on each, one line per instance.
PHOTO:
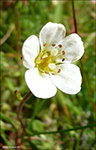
(8, 119)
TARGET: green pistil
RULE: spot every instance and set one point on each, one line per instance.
(43, 60)
(46, 61)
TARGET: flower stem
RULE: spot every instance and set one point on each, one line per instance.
(75, 24)
(27, 96)
(82, 66)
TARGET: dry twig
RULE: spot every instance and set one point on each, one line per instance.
(6, 36)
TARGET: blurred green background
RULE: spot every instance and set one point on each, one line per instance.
(19, 20)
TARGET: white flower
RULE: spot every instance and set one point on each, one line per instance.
(49, 61)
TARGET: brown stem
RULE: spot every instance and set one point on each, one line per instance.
(82, 66)
(75, 24)
(27, 96)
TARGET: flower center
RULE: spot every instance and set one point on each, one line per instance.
(49, 58)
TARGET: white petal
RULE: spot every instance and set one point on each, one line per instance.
(30, 50)
(69, 79)
(73, 47)
(51, 33)
(40, 86)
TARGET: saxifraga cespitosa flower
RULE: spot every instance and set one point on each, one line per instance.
(49, 61)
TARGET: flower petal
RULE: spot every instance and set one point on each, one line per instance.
(40, 85)
(51, 33)
(73, 47)
(30, 50)
(69, 79)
